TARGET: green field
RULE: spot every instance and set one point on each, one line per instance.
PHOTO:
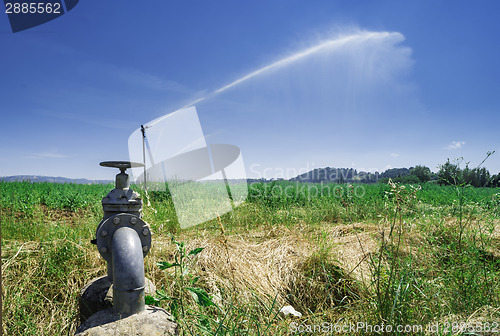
(342, 255)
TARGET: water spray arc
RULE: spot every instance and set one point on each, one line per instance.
(332, 43)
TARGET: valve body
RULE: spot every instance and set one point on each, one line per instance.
(123, 240)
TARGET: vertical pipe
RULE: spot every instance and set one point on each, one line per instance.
(110, 271)
(128, 272)
(143, 130)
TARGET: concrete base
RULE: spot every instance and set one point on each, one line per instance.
(98, 295)
(152, 321)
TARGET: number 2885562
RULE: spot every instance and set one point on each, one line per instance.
(32, 8)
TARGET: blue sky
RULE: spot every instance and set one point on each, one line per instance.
(366, 84)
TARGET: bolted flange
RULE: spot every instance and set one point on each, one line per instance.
(108, 227)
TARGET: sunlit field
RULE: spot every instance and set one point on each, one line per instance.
(360, 256)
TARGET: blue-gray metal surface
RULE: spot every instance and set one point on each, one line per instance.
(128, 272)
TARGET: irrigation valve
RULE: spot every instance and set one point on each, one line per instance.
(123, 239)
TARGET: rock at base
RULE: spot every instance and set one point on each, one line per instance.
(151, 321)
(98, 295)
(93, 297)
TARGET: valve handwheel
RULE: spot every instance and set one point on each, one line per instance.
(122, 165)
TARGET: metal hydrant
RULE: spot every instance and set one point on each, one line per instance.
(123, 240)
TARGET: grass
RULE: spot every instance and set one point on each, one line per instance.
(339, 254)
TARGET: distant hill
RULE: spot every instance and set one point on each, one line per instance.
(337, 175)
(396, 172)
(418, 174)
(51, 179)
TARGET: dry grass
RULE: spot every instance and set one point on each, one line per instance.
(263, 268)
(259, 265)
(38, 295)
(352, 246)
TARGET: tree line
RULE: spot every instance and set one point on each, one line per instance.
(449, 173)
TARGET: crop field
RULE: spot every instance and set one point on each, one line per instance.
(352, 259)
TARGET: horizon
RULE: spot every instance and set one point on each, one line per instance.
(277, 177)
(294, 86)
